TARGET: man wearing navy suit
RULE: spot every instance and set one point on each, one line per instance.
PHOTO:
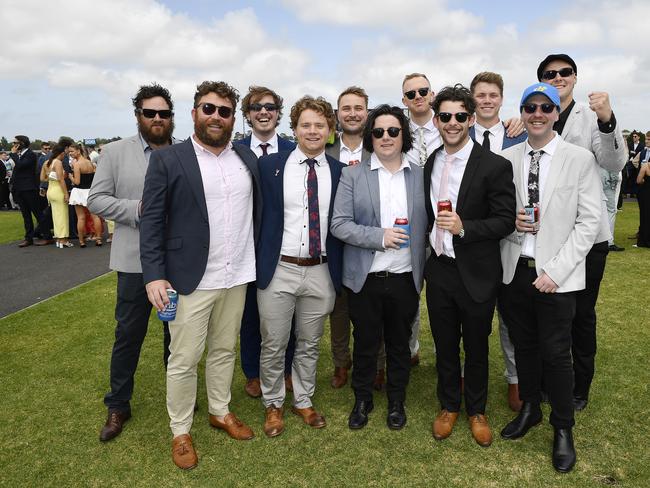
(298, 261)
(200, 216)
(262, 109)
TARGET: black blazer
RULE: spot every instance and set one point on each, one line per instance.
(487, 207)
(25, 176)
(174, 226)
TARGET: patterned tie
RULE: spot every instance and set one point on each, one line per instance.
(312, 204)
(533, 178)
(422, 146)
(486, 140)
(443, 194)
(264, 147)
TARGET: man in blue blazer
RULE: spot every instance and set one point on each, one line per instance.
(262, 109)
(200, 215)
(298, 261)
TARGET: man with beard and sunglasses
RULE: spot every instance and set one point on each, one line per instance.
(595, 128)
(116, 194)
(201, 213)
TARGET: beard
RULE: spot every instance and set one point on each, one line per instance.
(201, 131)
(355, 131)
(155, 136)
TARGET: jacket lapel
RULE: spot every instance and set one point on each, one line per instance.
(410, 190)
(553, 177)
(571, 119)
(372, 177)
(517, 172)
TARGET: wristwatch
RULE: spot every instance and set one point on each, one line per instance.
(461, 234)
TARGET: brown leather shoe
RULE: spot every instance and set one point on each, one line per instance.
(415, 360)
(340, 377)
(183, 452)
(273, 423)
(310, 416)
(26, 243)
(380, 380)
(113, 426)
(235, 427)
(288, 383)
(444, 424)
(252, 388)
(44, 242)
(480, 430)
(513, 397)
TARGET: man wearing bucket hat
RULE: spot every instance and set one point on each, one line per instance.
(558, 218)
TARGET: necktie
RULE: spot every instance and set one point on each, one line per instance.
(486, 140)
(422, 146)
(264, 147)
(314, 215)
(533, 177)
(443, 194)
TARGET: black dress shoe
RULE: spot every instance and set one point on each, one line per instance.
(529, 416)
(113, 426)
(26, 242)
(580, 403)
(564, 454)
(616, 248)
(396, 418)
(359, 416)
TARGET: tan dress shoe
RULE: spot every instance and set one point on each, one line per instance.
(444, 424)
(253, 388)
(233, 426)
(183, 452)
(480, 430)
(310, 416)
(380, 380)
(513, 398)
(340, 377)
(273, 423)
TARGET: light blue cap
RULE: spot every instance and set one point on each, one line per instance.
(545, 89)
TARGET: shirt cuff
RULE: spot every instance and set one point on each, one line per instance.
(607, 127)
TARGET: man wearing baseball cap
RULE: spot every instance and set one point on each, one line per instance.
(594, 128)
(558, 218)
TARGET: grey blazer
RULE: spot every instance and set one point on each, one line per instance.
(334, 150)
(115, 195)
(356, 220)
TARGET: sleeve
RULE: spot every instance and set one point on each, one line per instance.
(608, 147)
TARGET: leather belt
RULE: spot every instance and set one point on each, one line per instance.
(526, 262)
(304, 261)
(387, 274)
(444, 259)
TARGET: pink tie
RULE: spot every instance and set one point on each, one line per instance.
(443, 194)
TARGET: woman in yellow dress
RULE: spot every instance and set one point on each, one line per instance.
(57, 195)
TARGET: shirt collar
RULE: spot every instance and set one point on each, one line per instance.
(464, 153)
(198, 148)
(549, 148)
(427, 127)
(343, 145)
(256, 142)
(495, 129)
(375, 163)
(320, 159)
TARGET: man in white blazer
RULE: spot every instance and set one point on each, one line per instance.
(559, 211)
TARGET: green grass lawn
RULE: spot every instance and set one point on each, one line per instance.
(54, 363)
(11, 226)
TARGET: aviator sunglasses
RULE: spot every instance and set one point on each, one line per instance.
(530, 108)
(411, 93)
(150, 113)
(210, 108)
(378, 132)
(461, 117)
(257, 107)
(552, 73)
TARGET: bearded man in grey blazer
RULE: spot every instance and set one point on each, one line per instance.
(116, 194)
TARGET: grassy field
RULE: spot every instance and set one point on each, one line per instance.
(11, 226)
(54, 372)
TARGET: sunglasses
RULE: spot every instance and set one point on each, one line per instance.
(150, 113)
(257, 107)
(530, 108)
(551, 74)
(378, 132)
(445, 117)
(210, 108)
(411, 93)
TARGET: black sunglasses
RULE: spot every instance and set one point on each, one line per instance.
(411, 93)
(150, 113)
(445, 117)
(530, 108)
(378, 132)
(257, 107)
(210, 108)
(552, 73)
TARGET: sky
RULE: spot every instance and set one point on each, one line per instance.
(70, 67)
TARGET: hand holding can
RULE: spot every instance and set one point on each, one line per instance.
(169, 312)
(532, 212)
(403, 223)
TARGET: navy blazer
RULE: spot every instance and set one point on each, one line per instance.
(174, 226)
(270, 242)
(25, 176)
(507, 141)
(283, 144)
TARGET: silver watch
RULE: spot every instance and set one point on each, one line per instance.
(461, 234)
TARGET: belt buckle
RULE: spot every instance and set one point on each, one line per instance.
(530, 263)
(381, 274)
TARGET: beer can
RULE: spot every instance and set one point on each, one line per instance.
(403, 223)
(169, 312)
(532, 212)
(444, 205)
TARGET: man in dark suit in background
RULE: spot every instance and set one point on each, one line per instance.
(198, 227)
(463, 272)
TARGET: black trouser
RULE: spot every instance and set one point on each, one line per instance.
(539, 325)
(4, 193)
(132, 312)
(452, 315)
(583, 330)
(30, 204)
(384, 306)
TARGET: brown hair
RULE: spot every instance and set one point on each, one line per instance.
(318, 105)
(415, 75)
(353, 90)
(221, 88)
(255, 94)
(487, 77)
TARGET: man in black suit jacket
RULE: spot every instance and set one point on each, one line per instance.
(463, 272)
(200, 215)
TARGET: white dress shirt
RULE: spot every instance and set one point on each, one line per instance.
(272, 145)
(455, 177)
(431, 137)
(393, 204)
(497, 132)
(295, 238)
(350, 156)
(228, 188)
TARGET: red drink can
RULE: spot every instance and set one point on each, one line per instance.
(444, 205)
(403, 223)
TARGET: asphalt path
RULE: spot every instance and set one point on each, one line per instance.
(32, 274)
